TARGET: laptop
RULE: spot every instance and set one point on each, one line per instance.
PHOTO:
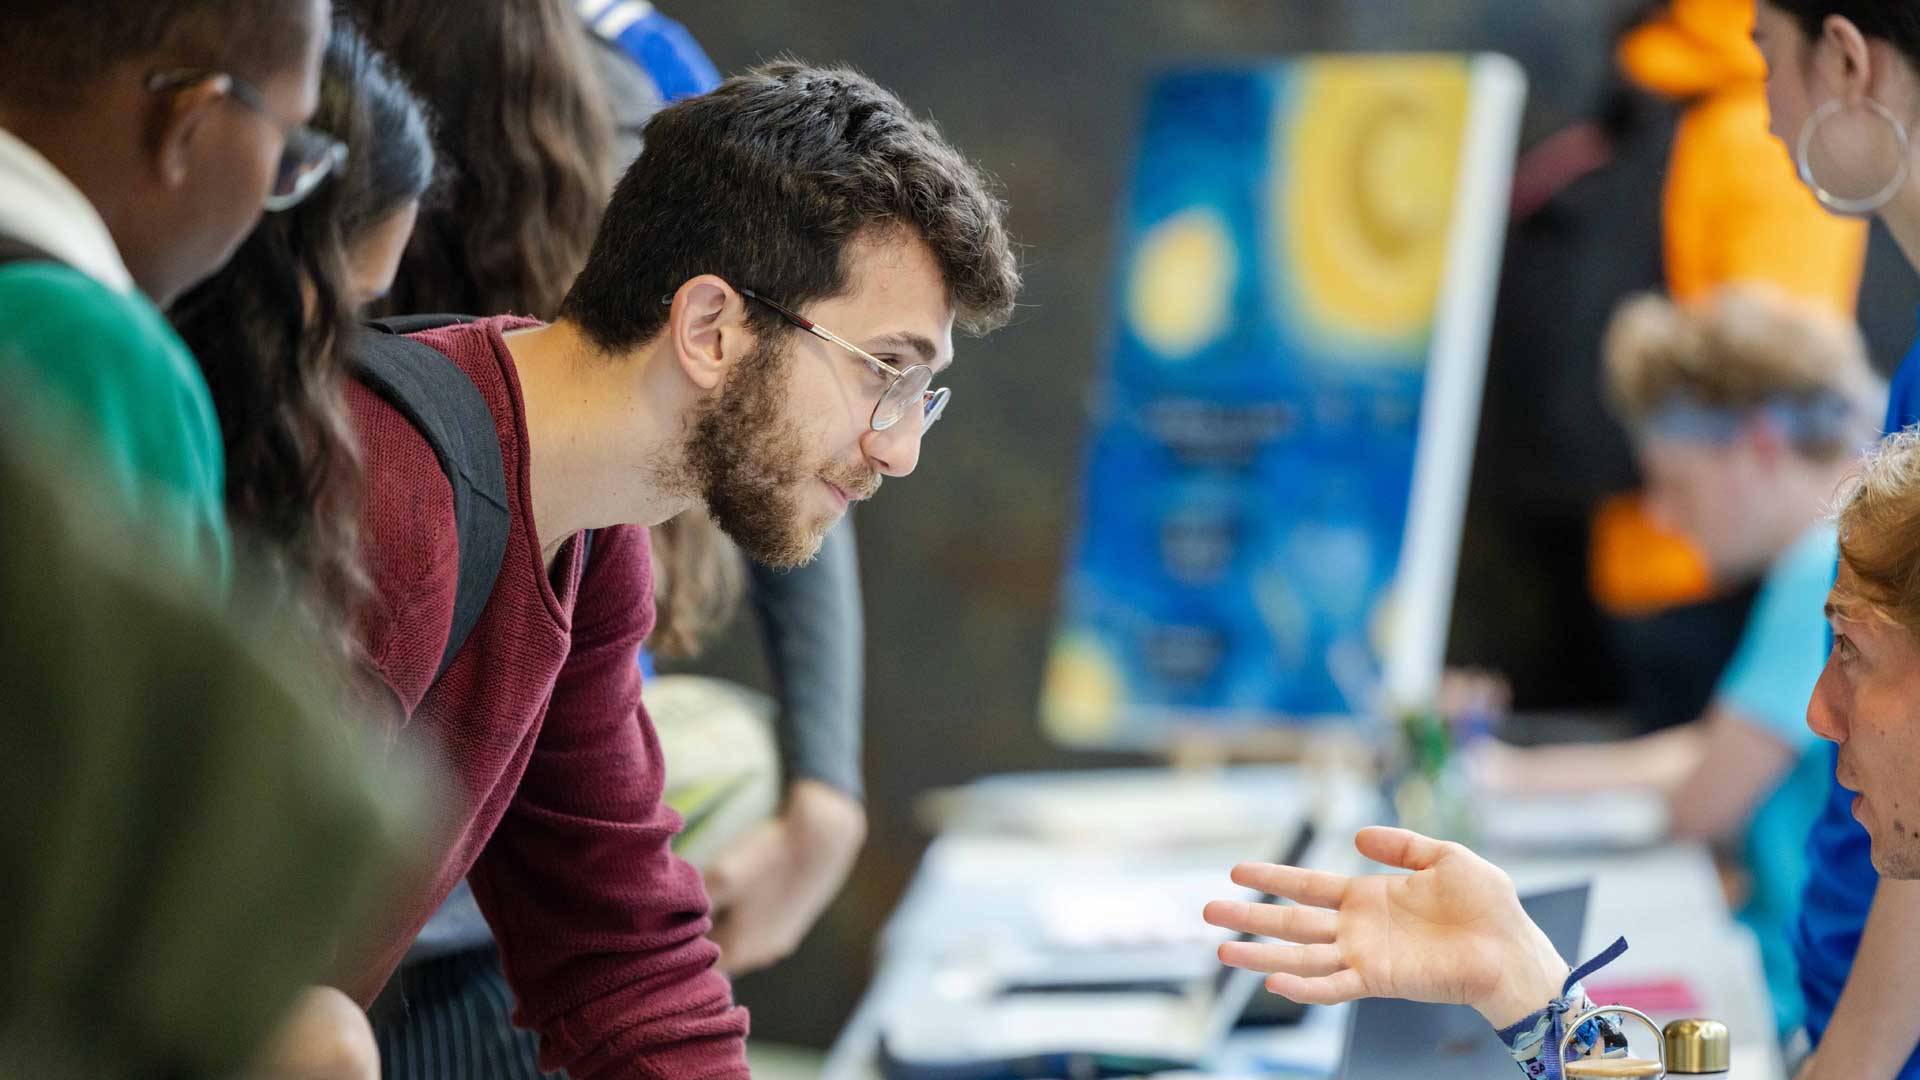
(1389, 1039)
(1076, 1030)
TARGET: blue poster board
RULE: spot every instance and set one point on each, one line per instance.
(1279, 445)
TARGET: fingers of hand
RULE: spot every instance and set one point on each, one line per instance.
(727, 876)
(745, 962)
(1326, 990)
(1400, 847)
(745, 953)
(725, 934)
(1305, 960)
(720, 891)
(1306, 925)
(1315, 888)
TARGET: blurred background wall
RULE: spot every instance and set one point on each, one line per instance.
(960, 562)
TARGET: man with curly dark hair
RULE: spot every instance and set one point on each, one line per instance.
(770, 296)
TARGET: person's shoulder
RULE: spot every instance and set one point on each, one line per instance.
(630, 90)
(403, 472)
(62, 286)
(407, 493)
(466, 337)
(1903, 392)
(478, 347)
(111, 363)
(408, 533)
(57, 309)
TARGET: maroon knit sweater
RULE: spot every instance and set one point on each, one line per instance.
(553, 811)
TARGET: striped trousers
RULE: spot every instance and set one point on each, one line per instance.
(450, 1018)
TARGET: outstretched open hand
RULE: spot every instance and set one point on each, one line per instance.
(1453, 931)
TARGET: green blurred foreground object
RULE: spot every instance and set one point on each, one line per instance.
(185, 828)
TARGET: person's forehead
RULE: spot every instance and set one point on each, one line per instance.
(1847, 608)
(1839, 606)
(897, 301)
(1842, 600)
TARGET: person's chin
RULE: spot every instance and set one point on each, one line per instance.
(1895, 856)
(817, 533)
(798, 547)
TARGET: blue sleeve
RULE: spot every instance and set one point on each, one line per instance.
(661, 47)
(1770, 678)
(1903, 395)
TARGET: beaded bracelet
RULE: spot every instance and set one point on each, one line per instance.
(1535, 1041)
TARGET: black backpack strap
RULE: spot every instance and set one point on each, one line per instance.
(443, 404)
(401, 325)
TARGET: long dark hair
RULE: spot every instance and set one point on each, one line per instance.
(271, 329)
(529, 149)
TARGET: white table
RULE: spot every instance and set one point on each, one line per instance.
(1667, 902)
(985, 896)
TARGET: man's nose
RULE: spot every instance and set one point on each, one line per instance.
(1824, 716)
(896, 451)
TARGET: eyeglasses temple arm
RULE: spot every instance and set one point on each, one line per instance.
(824, 334)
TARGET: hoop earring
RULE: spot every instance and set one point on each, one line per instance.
(1828, 199)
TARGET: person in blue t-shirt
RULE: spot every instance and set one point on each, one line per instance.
(1843, 89)
(1747, 412)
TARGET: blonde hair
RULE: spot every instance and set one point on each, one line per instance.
(1745, 348)
(1878, 519)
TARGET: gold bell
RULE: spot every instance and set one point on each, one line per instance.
(1695, 1047)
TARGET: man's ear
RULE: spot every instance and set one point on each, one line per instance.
(175, 120)
(708, 329)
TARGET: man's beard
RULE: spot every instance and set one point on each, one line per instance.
(749, 460)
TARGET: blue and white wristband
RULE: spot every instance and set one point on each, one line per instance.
(1535, 1041)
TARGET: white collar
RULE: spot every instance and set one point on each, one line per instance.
(40, 206)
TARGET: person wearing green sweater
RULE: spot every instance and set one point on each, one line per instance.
(139, 143)
(191, 825)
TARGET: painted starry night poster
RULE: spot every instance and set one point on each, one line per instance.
(1279, 442)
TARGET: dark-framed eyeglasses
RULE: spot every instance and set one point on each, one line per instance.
(905, 386)
(308, 155)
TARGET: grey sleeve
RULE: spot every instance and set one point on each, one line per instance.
(630, 94)
(815, 637)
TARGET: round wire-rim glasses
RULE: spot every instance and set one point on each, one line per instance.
(905, 385)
